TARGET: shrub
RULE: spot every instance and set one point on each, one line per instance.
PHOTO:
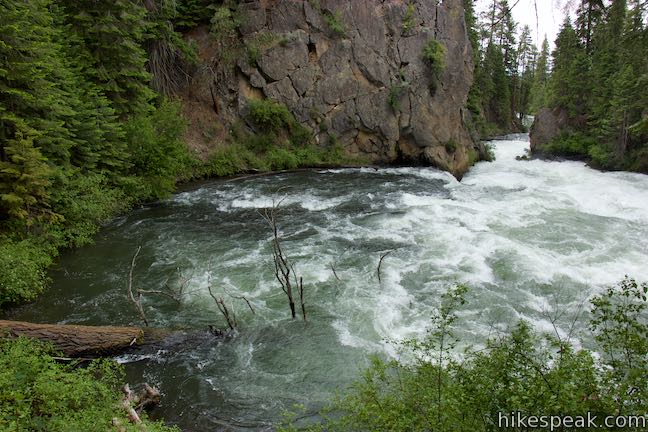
(335, 23)
(408, 19)
(451, 146)
(300, 135)
(269, 115)
(434, 53)
(279, 158)
(157, 151)
(224, 23)
(227, 161)
(259, 43)
(39, 394)
(524, 371)
(395, 93)
(86, 200)
(571, 145)
(23, 269)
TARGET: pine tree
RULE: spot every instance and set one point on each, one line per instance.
(112, 33)
(538, 97)
(24, 178)
(587, 17)
(569, 86)
(497, 96)
(32, 99)
(526, 59)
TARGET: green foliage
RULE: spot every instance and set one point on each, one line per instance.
(408, 18)
(23, 267)
(191, 13)
(571, 145)
(269, 115)
(334, 22)
(395, 93)
(525, 371)
(259, 43)
(24, 179)
(451, 146)
(620, 326)
(234, 159)
(603, 47)
(157, 152)
(39, 394)
(224, 23)
(581, 146)
(114, 58)
(280, 158)
(86, 201)
(434, 53)
(80, 136)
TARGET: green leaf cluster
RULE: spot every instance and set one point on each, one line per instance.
(431, 388)
(82, 133)
(599, 78)
(39, 394)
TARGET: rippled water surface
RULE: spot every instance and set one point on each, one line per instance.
(531, 238)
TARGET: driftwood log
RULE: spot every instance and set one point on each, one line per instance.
(86, 341)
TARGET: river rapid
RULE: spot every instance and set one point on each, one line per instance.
(532, 239)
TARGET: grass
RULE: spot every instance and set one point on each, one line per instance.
(334, 21)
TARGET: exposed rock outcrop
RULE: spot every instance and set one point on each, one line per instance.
(354, 73)
(547, 125)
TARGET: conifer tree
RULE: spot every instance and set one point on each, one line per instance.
(24, 178)
(538, 97)
(112, 33)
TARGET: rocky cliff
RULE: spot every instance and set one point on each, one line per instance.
(351, 71)
(548, 125)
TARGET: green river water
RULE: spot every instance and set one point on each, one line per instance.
(532, 239)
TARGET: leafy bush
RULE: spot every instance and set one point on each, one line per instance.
(434, 53)
(259, 43)
(524, 371)
(224, 23)
(395, 93)
(269, 115)
(571, 145)
(39, 394)
(86, 200)
(279, 158)
(158, 153)
(23, 269)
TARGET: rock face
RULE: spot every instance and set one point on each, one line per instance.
(547, 125)
(354, 73)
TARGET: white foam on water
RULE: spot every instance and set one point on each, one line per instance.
(510, 229)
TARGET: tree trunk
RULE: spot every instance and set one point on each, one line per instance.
(85, 341)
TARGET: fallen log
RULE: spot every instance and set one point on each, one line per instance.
(86, 341)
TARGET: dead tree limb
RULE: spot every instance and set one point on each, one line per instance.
(136, 301)
(335, 273)
(241, 298)
(222, 307)
(301, 297)
(382, 257)
(135, 296)
(283, 267)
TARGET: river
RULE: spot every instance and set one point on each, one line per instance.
(532, 239)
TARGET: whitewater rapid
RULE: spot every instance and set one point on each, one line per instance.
(531, 239)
